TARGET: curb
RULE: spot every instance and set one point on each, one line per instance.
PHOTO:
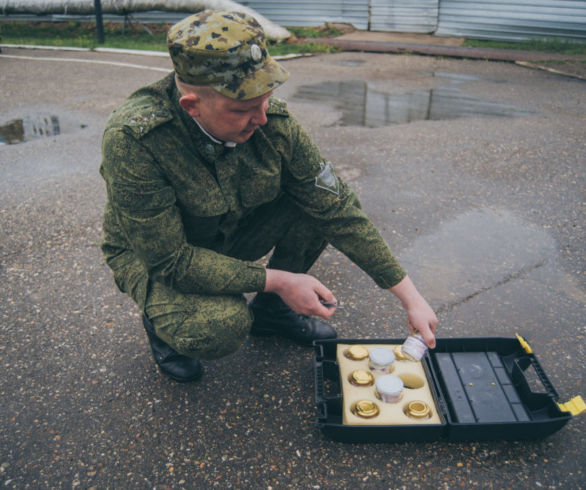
(139, 52)
(98, 50)
(48, 48)
(525, 59)
(536, 66)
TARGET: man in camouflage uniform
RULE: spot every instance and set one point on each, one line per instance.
(205, 174)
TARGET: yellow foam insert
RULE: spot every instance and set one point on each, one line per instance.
(412, 374)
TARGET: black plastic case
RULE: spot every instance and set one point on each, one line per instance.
(520, 404)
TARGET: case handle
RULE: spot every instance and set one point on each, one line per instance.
(319, 350)
(319, 381)
(521, 365)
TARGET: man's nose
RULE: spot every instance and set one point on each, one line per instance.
(260, 117)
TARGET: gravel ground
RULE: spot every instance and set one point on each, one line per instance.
(483, 203)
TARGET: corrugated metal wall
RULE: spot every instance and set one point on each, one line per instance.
(481, 19)
(513, 20)
(312, 12)
(404, 15)
(485, 19)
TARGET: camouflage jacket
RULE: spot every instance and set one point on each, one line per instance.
(171, 192)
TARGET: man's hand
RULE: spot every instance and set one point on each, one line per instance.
(301, 292)
(420, 316)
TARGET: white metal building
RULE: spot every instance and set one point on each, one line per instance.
(480, 19)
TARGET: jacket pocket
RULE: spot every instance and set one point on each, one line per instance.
(145, 203)
(260, 185)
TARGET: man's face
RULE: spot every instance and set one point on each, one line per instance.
(232, 120)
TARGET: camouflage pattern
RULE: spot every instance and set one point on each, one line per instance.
(211, 326)
(186, 218)
(197, 325)
(224, 50)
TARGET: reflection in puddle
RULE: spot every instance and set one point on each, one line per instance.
(21, 130)
(363, 106)
(351, 62)
(465, 77)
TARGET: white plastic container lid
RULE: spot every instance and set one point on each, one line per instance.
(389, 385)
(381, 356)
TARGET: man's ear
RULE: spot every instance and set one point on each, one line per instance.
(190, 104)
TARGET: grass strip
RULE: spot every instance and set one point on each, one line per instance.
(84, 35)
(117, 35)
(534, 45)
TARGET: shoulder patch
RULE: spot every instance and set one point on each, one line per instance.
(141, 115)
(277, 107)
(145, 119)
(326, 179)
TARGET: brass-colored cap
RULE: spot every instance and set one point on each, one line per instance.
(418, 409)
(399, 353)
(356, 352)
(360, 377)
(365, 409)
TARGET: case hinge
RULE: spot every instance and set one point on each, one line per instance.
(575, 406)
(524, 344)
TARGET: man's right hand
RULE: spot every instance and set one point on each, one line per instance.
(301, 292)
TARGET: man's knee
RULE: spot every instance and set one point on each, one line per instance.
(215, 329)
(199, 326)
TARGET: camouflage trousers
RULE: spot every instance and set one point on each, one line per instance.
(212, 326)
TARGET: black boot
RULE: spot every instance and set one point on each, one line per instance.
(273, 317)
(177, 366)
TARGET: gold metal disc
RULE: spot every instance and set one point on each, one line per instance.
(418, 409)
(356, 352)
(360, 377)
(365, 409)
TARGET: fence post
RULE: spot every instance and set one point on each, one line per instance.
(99, 21)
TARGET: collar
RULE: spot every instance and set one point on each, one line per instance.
(227, 144)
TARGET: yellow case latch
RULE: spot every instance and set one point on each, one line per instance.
(524, 344)
(575, 406)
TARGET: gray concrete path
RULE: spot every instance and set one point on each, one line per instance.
(474, 172)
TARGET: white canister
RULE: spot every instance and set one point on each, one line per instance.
(389, 388)
(414, 347)
(381, 360)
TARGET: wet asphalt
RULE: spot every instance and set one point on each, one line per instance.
(473, 171)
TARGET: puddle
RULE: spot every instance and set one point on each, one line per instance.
(30, 128)
(465, 77)
(351, 62)
(362, 105)
(475, 252)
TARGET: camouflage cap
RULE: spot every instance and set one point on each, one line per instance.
(226, 51)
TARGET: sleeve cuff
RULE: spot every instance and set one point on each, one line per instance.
(390, 278)
(258, 276)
